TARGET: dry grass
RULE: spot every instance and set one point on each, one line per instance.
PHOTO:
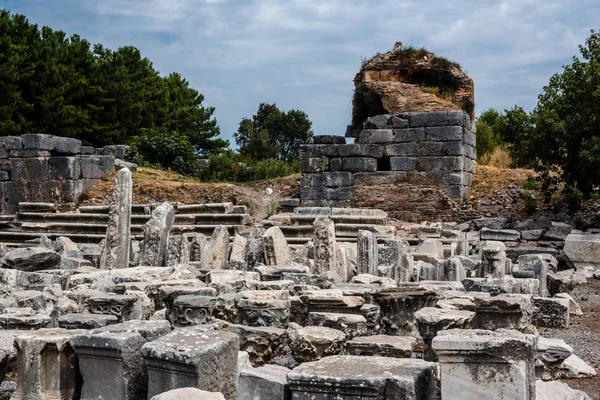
(499, 158)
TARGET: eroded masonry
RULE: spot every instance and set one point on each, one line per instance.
(170, 301)
(402, 155)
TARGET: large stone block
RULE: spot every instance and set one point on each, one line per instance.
(47, 366)
(30, 169)
(329, 139)
(361, 377)
(96, 167)
(68, 168)
(11, 142)
(37, 141)
(481, 364)
(408, 149)
(583, 249)
(318, 150)
(266, 382)
(357, 164)
(314, 164)
(361, 150)
(66, 145)
(409, 135)
(378, 178)
(111, 365)
(193, 357)
(332, 179)
(439, 118)
(402, 163)
(444, 133)
(439, 164)
(369, 136)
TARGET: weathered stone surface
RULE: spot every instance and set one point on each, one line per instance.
(115, 253)
(533, 266)
(238, 249)
(266, 382)
(557, 231)
(31, 259)
(314, 342)
(502, 312)
(156, 236)
(557, 390)
(193, 357)
(352, 325)
(574, 367)
(468, 358)
(398, 308)
(360, 377)
(197, 247)
(431, 320)
(111, 365)
(382, 345)
(276, 249)
(188, 393)
(552, 351)
(367, 257)
(504, 235)
(493, 260)
(262, 343)
(583, 250)
(86, 321)
(47, 366)
(216, 251)
(551, 312)
(324, 241)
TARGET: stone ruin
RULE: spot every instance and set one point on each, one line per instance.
(53, 169)
(322, 302)
(414, 149)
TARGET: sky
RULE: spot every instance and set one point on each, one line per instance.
(304, 54)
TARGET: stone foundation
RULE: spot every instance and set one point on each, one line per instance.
(413, 158)
(47, 168)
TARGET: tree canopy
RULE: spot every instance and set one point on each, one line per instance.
(567, 120)
(272, 133)
(51, 83)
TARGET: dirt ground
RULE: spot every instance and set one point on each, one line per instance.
(156, 186)
(583, 335)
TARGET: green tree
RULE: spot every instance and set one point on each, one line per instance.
(279, 133)
(567, 120)
(186, 115)
(51, 83)
(487, 136)
(514, 127)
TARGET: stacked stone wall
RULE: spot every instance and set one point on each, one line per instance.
(47, 168)
(404, 155)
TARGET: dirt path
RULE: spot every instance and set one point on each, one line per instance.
(583, 335)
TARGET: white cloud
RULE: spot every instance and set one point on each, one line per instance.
(304, 53)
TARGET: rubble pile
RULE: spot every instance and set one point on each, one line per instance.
(347, 307)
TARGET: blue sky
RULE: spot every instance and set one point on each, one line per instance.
(303, 54)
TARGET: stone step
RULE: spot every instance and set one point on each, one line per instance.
(66, 229)
(341, 230)
(136, 209)
(209, 208)
(97, 218)
(320, 211)
(305, 219)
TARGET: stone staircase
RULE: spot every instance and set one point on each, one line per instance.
(88, 223)
(298, 225)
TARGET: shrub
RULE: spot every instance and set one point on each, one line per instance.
(229, 166)
(169, 150)
(531, 203)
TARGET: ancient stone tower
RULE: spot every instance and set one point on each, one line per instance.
(413, 133)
